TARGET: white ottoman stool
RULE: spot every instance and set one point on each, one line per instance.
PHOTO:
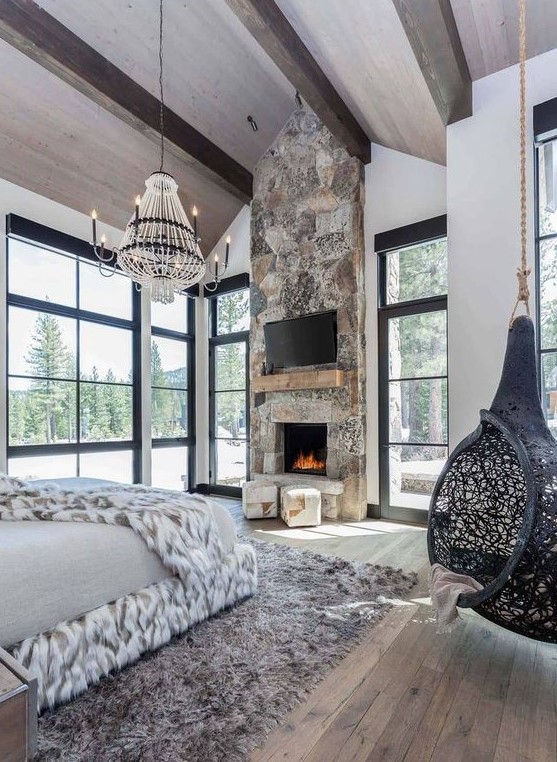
(260, 500)
(300, 506)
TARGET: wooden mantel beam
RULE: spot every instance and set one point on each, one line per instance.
(432, 32)
(37, 34)
(272, 30)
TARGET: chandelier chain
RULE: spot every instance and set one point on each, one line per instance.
(161, 85)
(523, 270)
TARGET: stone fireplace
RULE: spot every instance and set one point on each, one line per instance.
(307, 256)
(305, 449)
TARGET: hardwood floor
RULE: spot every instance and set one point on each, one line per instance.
(481, 694)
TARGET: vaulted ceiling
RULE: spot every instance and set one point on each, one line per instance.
(389, 71)
(489, 32)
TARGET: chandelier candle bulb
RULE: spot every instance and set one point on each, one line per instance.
(194, 212)
(227, 251)
(94, 220)
(137, 202)
(103, 241)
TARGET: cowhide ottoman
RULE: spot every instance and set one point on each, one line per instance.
(300, 506)
(260, 500)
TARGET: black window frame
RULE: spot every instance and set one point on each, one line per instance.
(422, 232)
(45, 238)
(226, 286)
(188, 337)
(545, 131)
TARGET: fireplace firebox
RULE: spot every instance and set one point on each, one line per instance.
(305, 448)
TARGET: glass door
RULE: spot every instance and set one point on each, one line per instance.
(413, 378)
(229, 392)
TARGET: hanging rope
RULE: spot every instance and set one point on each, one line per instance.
(161, 88)
(523, 271)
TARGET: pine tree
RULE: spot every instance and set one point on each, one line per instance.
(17, 408)
(94, 414)
(161, 400)
(116, 399)
(417, 346)
(233, 312)
(230, 364)
(50, 412)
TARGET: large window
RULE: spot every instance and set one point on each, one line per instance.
(228, 381)
(172, 362)
(73, 386)
(412, 365)
(546, 250)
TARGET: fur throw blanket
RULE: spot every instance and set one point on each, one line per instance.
(178, 527)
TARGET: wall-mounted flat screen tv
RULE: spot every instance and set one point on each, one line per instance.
(308, 340)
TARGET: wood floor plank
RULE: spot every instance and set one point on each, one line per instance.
(517, 726)
(453, 739)
(479, 695)
(340, 729)
(504, 754)
(394, 742)
(391, 677)
(545, 723)
(308, 722)
(458, 648)
(482, 741)
(374, 722)
(369, 729)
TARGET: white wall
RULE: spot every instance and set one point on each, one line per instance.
(400, 190)
(239, 232)
(484, 233)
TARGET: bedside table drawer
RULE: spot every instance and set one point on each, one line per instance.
(13, 724)
(18, 711)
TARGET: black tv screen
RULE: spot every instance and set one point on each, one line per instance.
(309, 340)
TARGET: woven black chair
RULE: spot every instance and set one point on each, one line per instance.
(493, 512)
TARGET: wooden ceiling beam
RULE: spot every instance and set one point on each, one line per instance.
(272, 30)
(37, 34)
(433, 35)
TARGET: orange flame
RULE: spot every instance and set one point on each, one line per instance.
(308, 462)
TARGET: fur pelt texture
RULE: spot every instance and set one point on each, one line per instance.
(183, 533)
(214, 693)
(77, 654)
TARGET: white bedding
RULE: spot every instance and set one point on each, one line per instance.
(54, 571)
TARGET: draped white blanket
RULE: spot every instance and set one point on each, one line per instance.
(445, 587)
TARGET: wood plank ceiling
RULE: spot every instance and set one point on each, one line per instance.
(56, 141)
(489, 32)
(215, 75)
(362, 48)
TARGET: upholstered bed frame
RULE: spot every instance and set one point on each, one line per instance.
(76, 654)
(183, 547)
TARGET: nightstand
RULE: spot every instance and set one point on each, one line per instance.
(18, 711)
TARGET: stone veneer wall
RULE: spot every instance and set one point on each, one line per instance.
(307, 256)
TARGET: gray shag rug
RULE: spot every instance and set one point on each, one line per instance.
(217, 691)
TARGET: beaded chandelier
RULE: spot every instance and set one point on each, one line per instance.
(160, 248)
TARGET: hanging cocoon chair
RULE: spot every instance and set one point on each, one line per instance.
(493, 513)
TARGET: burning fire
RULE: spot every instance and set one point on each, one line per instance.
(308, 462)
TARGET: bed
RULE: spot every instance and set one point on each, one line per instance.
(86, 588)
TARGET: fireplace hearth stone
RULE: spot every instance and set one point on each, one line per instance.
(332, 490)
